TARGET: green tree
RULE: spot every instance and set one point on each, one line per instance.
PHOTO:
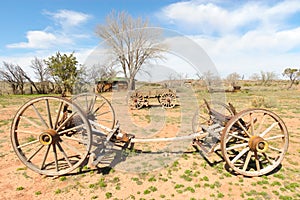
(63, 70)
(292, 74)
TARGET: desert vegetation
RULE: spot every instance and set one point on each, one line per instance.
(191, 176)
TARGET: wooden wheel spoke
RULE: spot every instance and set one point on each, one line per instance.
(71, 147)
(71, 129)
(34, 153)
(274, 137)
(238, 137)
(240, 155)
(65, 121)
(268, 159)
(275, 149)
(257, 163)
(244, 129)
(49, 114)
(268, 129)
(64, 154)
(55, 156)
(27, 132)
(237, 146)
(247, 161)
(261, 123)
(45, 157)
(252, 124)
(204, 118)
(103, 113)
(86, 103)
(58, 114)
(32, 122)
(98, 108)
(92, 104)
(28, 143)
(40, 116)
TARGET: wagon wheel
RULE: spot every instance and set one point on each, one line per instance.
(203, 117)
(51, 136)
(254, 142)
(167, 100)
(137, 101)
(97, 109)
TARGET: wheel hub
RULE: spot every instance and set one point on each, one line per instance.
(258, 144)
(48, 137)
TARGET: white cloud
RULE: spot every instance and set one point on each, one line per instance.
(40, 40)
(56, 37)
(212, 18)
(244, 38)
(68, 18)
(252, 52)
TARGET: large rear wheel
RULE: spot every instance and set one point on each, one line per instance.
(51, 135)
(254, 142)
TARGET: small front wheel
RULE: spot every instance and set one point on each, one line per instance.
(204, 116)
(97, 109)
(167, 100)
(137, 101)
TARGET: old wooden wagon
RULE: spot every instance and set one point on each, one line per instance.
(165, 96)
(53, 135)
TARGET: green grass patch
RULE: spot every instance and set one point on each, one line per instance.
(20, 188)
(108, 195)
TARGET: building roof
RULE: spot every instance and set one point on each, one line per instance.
(113, 79)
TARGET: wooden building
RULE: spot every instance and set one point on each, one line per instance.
(114, 84)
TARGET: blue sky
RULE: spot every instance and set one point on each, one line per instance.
(244, 37)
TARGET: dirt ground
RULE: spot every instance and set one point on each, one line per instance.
(189, 176)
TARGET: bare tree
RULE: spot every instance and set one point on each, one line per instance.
(108, 72)
(210, 78)
(42, 75)
(255, 77)
(182, 78)
(233, 78)
(131, 41)
(293, 75)
(101, 72)
(266, 77)
(13, 74)
(199, 76)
